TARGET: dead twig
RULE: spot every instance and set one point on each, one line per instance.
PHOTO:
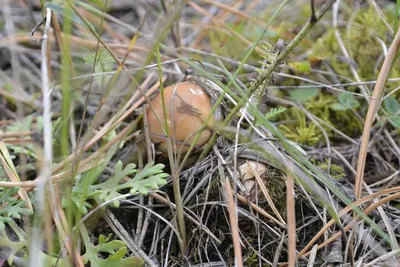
(232, 218)
(373, 109)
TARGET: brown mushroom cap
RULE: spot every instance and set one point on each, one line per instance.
(191, 106)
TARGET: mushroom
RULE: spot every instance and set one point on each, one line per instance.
(187, 106)
(247, 174)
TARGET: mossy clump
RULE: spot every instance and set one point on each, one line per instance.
(300, 129)
(302, 132)
(362, 38)
(335, 171)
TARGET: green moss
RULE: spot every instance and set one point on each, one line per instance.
(360, 39)
(306, 132)
(345, 121)
(303, 132)
(336, 171)
(319, 105)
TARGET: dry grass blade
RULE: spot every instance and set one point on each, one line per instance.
(384, 258)
(75, 135)
(291, 220)
(223, 16)
(346, 210)
(235, 11)
(385, 219)
(234, 225)
(373, 109)
(124, 235)
(218, 22)
(24, 38)
(312, 257)
(109, 125)
(11, 172)
(354, 221)
(260, 210)
(88, 163)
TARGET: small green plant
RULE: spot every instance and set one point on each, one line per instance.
(319, 105)
(392, 108)
(346, 101)
(305, 134)
(102, 60)
(274, 112)
(336, 171)
(151, 177)
(301, 67)
(304, 95)
(24, 126)
(19, 248)
(11, 208)
(79, 197)
(12, 245)
(86, 190)
(116, 250)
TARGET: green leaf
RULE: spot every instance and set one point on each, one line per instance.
(338, 107)
(273, 112)
(116, 250)
(24, 125)
(301, 67)
(2, 225)
(97, 2)
(304, 95)
(237, 27)
(149, 170)
(20, 126)
(397, 13)
(103, 62)
(12, 246)
(103, 239)
(151, 177)
(110, 247)
(69, 13)
(81, 204)
(392, 106)
(346, 101)
(125, 262)
(153, 182)
(11, 207)
(395, 121)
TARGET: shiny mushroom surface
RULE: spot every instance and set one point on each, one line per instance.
(187, 106)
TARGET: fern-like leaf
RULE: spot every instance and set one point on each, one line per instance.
(117, 251)
(11, 207)
(151, 177)
(273, 112)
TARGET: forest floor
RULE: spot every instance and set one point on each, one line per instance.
(281, 145)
